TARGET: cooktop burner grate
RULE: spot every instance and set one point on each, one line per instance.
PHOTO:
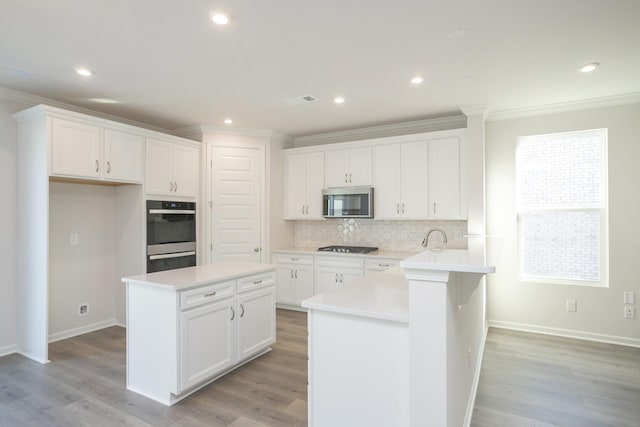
(349, 249)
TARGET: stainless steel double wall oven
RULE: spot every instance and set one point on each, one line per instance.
(171, 235)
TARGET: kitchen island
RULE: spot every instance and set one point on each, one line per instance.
(189, 326)
(400, 348)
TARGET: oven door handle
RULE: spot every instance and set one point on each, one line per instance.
(174, 255)
(172, 211)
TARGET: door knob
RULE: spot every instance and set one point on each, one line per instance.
(256, 249)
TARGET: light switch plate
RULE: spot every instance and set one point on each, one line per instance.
(629, 297)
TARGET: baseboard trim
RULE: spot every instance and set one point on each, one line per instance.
(70, 333)
(567, 333)
(8, 349)
(476, 378)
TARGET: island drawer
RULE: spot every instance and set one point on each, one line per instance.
(256, 281)
(207, 294)
(294, 259)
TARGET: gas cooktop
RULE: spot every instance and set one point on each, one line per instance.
(349, 249)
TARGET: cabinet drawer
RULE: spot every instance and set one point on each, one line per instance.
(210, 293)
(256, 281)
(343, 261)
(380, 264)
(294, 259)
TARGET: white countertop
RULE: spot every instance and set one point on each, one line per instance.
(456, 260)
(377, 254)
(183, 278)
(380, 296)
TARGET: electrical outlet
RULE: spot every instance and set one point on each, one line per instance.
(73, 239)
(629, 312)
(83, 310)
(629, 297)
(572, 305)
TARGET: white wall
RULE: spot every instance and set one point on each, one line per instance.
(86, 272)
(8, 225)
(541, 307)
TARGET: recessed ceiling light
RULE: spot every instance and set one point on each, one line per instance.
(587, 68)
(85, 72)
(228, 121)
(417, 80)
(338, 100)
(458, 33)
(220, 18)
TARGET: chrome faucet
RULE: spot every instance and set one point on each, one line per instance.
(425, 241)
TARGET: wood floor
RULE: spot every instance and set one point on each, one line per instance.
(527, 380)
(532, 380)
(84, 385)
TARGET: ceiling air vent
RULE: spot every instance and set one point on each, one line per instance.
(300, 100)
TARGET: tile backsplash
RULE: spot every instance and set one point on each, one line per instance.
(403, 236)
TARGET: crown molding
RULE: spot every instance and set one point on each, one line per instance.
(198, 131)
(474, 110)
(381, 131)
(585, 104)
(30, 100)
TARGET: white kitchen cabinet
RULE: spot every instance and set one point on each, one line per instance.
(350, 167)
(400, 177)
(444, 178)
(207, 341)
(172, 169)
(186, 328)
(376, 265)
(85, 151)
(304, 181)
(256, 311)
(122, 156)
(294, 273)
(334, 271)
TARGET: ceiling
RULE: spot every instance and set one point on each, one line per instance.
(167, 64)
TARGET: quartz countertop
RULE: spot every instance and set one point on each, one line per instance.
(377, 254)
(184, 278)
(455, 260)
(382, 296)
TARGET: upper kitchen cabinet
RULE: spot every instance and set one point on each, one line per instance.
(304, 181)
(86, 151)
(350, 167)
(444, 178)
(172, 169)
(400, 178)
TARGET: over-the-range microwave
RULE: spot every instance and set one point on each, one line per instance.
(347, 202)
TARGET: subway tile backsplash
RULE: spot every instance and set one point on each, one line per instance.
(403, 236)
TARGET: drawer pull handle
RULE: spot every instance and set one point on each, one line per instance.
(257, 282)
(383, 265)
(233, 313)
(97, 166)
(242, 312)
(210, 294)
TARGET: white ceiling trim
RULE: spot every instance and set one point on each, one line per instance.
(394, 129)
(607, 101)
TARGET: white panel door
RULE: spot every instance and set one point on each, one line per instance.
(236, 208)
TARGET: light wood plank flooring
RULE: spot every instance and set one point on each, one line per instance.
(527, 380)
(532, 380)
(84, 385)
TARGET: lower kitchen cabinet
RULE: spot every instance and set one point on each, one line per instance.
(334, 271)
(179, 340)
(200, 357)
(294, 273)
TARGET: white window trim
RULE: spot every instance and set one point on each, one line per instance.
(604, 220)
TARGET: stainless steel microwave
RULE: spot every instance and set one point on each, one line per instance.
(347, 202)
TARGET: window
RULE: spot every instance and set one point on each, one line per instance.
(561, 184)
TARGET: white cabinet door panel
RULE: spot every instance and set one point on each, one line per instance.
(186, 167)
(256, 321)
(414, 176)
(444, 178)
(75, 149)
(314, 185)
(336, 168)
(387, 196)
(360, 166)
(122, 156)
(159, 174)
